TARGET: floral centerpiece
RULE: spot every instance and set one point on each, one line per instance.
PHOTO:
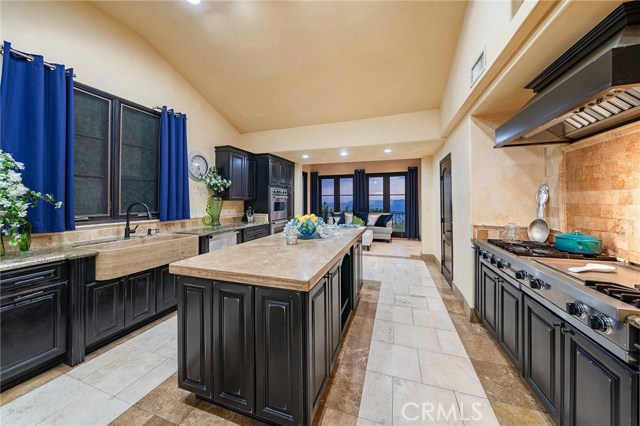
(307, 227)
(216, 184)
(15, 200)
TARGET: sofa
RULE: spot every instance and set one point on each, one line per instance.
(379, 232)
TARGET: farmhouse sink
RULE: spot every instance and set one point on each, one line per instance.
(123, 257)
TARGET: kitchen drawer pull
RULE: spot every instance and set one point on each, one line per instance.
(27, 296)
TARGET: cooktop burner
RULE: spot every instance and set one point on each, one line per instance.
(620, 292)
(535, 249)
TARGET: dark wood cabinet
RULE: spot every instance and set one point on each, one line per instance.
(318, 361)
(283, 175)
(33, 328)
(358, 275)
(233, 346)
(166, 290)
(279, 361)
(104, 304)
(139, 297)
(255, 232)
(491, 285)
(598, 388)
(542, 355)
(274, 172)
(240, 168)
(510, 321)
(195, 337)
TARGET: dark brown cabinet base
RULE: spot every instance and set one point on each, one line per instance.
(264, 352)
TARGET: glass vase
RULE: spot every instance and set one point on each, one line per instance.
(25, 238)
(214, 207)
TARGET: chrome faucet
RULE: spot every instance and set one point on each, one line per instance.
(127, 229)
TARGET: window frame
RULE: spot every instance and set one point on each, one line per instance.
(336, 189)
(114, 190)
(386, 193)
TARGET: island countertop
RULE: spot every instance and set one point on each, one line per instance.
(269, 262)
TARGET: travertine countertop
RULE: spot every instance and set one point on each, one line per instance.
(213, 230)
(38, 256)
(269, 262)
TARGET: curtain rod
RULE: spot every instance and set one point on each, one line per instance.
(159, 109)
(30, 58)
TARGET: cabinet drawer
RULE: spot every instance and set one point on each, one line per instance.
(32, 275)
(255, 233)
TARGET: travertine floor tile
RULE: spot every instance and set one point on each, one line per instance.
(376, 403)
(416, 337)
(394, 360)
(419, 404)
(394, 313)
(383, 331)
(450, 372)
(503, 383)
(134, 416)
(512, 415)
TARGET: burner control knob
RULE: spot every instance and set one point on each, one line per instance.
(521, 275)
(494, 260)
(576, 309)
(486, 255)
(600, 323)
(503, 264)
(536, 284)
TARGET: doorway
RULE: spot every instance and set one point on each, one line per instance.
(446, 220)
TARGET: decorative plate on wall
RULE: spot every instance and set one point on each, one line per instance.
(198, 165)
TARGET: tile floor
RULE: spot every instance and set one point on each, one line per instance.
(409, 357)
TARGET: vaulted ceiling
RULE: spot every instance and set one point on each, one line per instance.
(270, 65)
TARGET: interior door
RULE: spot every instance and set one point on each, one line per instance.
(446, 219)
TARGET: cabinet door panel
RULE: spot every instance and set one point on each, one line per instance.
(598, 389)
(318, 342)
(283, 175)
(250, 181)
(236, 175)
(510, 317)
(33, 329)
(335, 319)
(166, 290)
(542, 355)
(140, 297)
(195, 347)
(274, 175)
(490, 286)
(104, 309)
(233, 345)
(279, 356)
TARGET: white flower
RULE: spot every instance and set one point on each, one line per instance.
(19, 165)
(14, 176)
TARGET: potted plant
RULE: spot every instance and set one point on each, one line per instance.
(15, 200)
(216, 185)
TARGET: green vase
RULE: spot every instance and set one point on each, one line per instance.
(214, 207)
(25, 238)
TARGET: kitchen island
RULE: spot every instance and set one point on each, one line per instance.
(260, 324)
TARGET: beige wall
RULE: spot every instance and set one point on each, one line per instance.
(418, 126)
(428, 186)
(113, 58)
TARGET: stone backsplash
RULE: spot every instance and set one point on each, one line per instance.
(232, 212)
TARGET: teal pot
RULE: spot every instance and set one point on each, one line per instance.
(579, 243)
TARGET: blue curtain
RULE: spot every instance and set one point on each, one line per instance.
(360, 193)
(36, 128)
(174, 179)
(413, 225)
(315, 193)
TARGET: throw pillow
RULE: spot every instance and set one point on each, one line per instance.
(373, 218)
(348, 217)
(357, 221)
(362, 215)
(338, 218)
(384, 219)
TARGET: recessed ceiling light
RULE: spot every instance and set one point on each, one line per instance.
(344, 153)
(305, 156)
(388, 150)
(194, 1)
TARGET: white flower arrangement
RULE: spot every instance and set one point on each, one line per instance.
(15, 198)
(215, 182)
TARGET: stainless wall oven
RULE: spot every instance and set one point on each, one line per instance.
(278, 204)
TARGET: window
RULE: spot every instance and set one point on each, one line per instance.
(116, 155)
(387, 194)
(337, 192)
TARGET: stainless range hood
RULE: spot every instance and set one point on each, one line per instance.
(593, 87)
